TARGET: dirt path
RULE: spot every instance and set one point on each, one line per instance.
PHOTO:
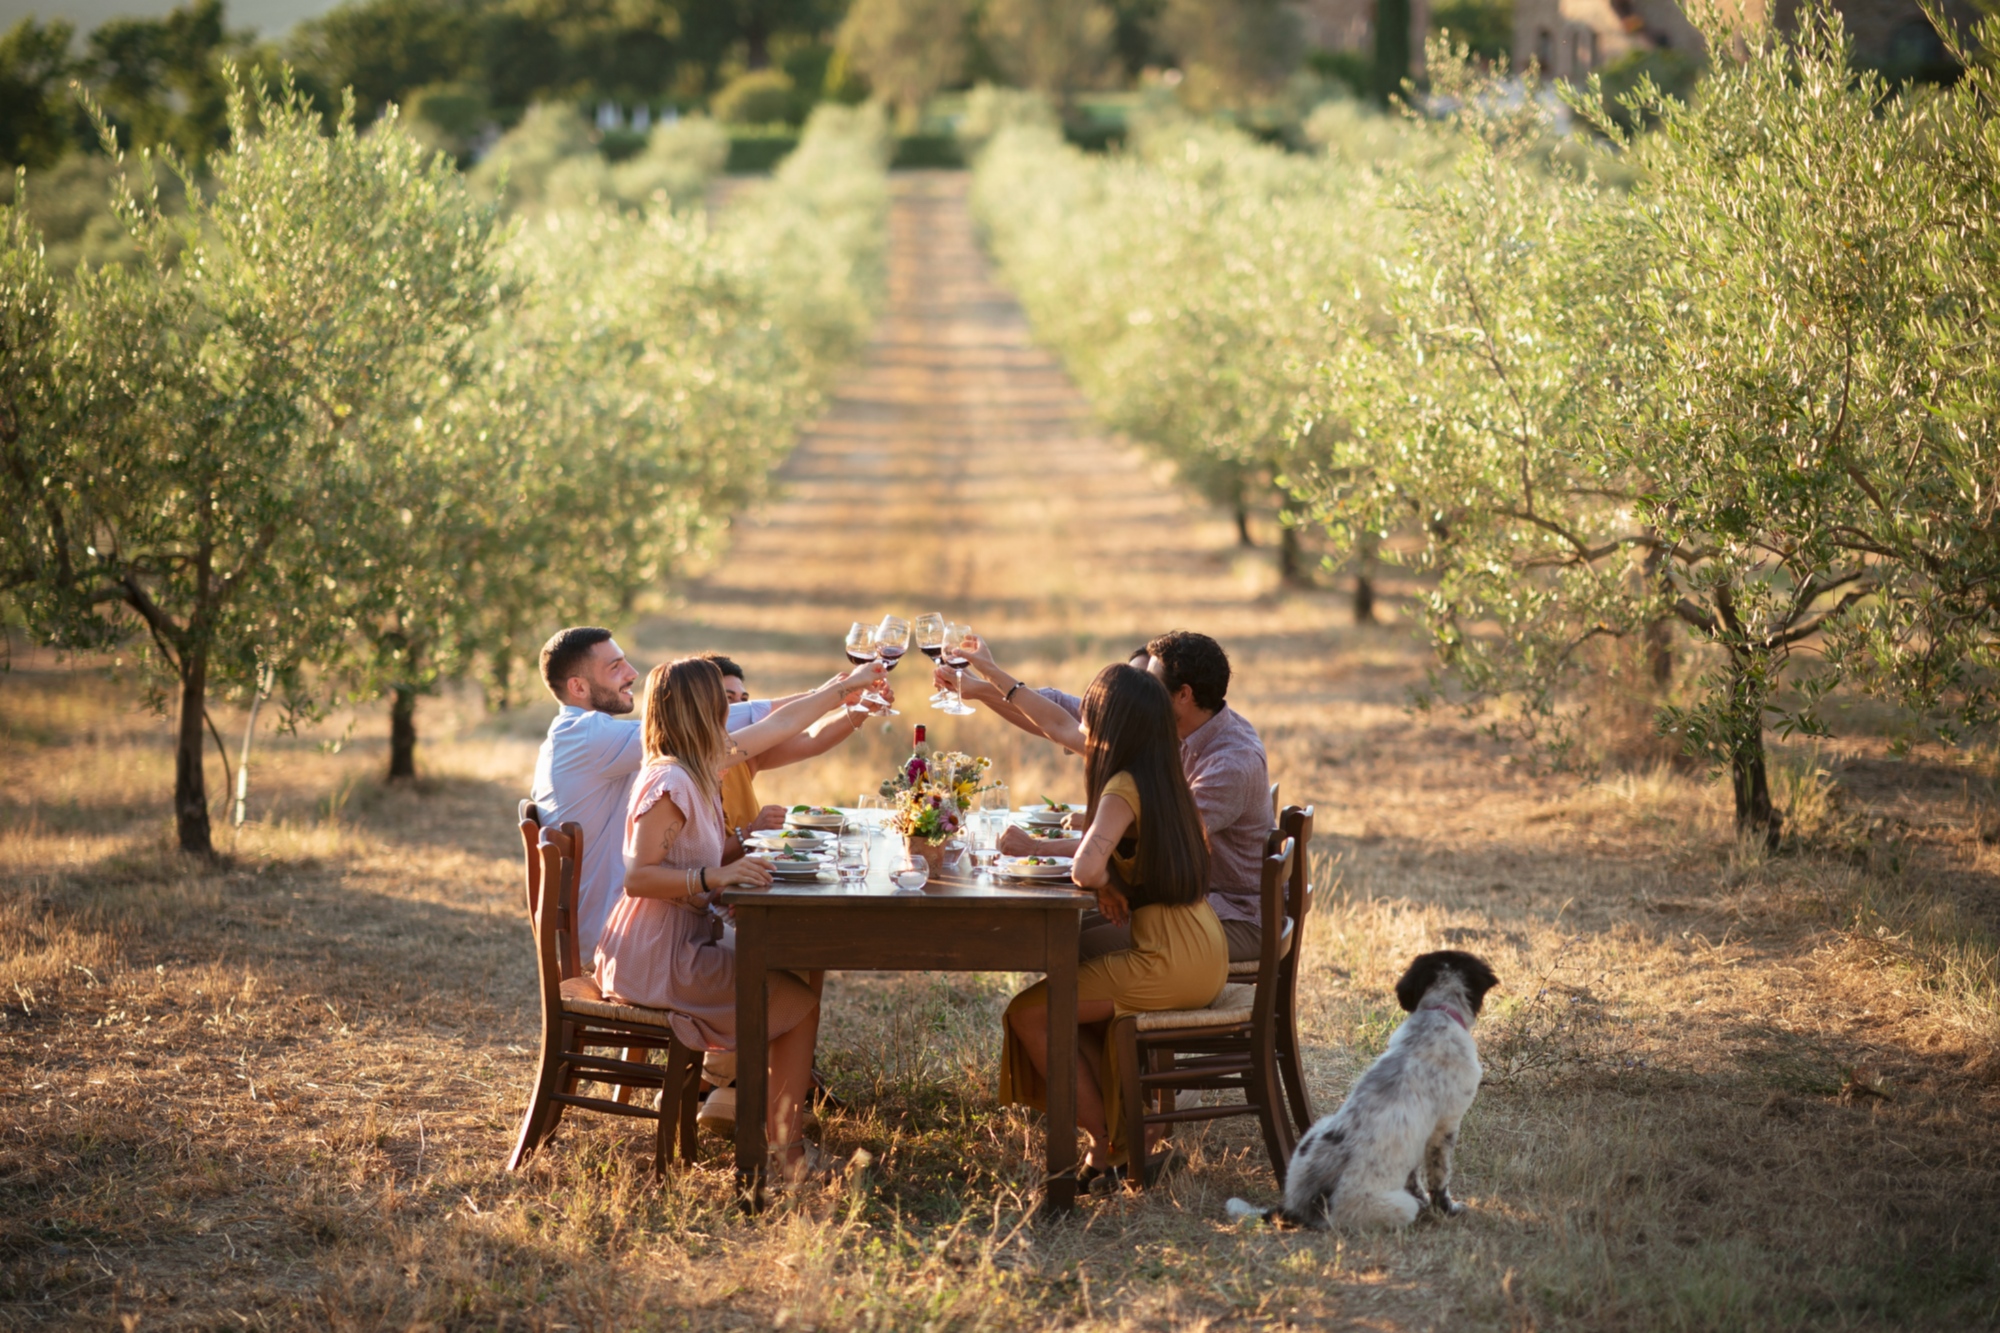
(957, 469)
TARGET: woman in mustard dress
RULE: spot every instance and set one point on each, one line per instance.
(1145, 857)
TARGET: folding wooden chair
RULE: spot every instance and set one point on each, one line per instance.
(576, 1016)
(1229, 1046)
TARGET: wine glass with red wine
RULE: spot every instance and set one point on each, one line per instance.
(928, 630)
(892, 640)
(860, 652)
(955, 637)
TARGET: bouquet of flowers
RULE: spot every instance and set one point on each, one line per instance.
(932, 791)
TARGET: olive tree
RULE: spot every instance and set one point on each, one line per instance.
(1752, 397)
(202, 465)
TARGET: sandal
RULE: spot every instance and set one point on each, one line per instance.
(812, 1167)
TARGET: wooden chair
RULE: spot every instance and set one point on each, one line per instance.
(576, 1016)
(1229, 1046)
(1297, 824)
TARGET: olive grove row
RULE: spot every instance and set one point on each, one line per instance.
(1726, 390)
(342, 428)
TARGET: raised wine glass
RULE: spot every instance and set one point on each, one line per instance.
(928, 629)
(953, 701)
(892, 640)
(860, 652)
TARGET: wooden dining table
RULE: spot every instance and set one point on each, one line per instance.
(956, 923)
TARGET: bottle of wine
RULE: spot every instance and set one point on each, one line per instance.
(919, 741)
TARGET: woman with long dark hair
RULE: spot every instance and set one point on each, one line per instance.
(1145, 857)
(662, 948)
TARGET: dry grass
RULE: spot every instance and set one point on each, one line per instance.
(1729, 1090)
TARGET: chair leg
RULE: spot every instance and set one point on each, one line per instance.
(1131, 1098)
(690, 1102)
(1161, 1061)
(1292, 1070)
(543, 1110)
(673, 1084)
(1271, 1113)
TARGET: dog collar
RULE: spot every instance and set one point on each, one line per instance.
(1455, 1016)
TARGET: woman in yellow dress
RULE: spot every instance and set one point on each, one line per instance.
(1145, 857)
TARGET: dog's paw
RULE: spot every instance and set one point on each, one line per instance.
(1443, 1205)
(1244, 1211)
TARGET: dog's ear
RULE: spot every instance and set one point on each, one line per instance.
(1423, 971)
(1479, 979)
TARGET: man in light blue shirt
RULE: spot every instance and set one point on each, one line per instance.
(584, 771)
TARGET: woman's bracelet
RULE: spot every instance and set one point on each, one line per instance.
(1008, 697)
(704, 880)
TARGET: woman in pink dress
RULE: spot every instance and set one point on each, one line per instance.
(662, 947)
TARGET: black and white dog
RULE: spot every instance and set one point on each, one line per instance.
(1385, 1155)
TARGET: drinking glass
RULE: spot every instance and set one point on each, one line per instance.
(860, 652)
(985, 843)
(911, 874)
(995, 798)
(871, 808)
(929, 630)
(892, 640)
(850, 860)
(953, 699)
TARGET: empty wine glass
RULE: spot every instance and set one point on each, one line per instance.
(953, 699)
(995, 798)
(870, 809)
(892, 640)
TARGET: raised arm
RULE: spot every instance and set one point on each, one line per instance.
(787, 721)
(975, 690)
(1047, 718)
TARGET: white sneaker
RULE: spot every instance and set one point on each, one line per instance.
(718, 1113)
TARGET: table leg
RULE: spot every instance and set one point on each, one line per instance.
(1061, 1191)
(752, 1054)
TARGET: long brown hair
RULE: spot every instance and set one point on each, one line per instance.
(686, 719)
(1131, 724)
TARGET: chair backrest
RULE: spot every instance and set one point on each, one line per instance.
(555, 918)
(531, 840)
(1296, 823)
(1274, 805)
(1273, 882)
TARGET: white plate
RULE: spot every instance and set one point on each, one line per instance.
(1046, 815)
(1020, 868)
(802, 820)
(793, 869)
(804, 839)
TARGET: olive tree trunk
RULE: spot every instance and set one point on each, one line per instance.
(190, 784)
(402, 733)
(1748, 776)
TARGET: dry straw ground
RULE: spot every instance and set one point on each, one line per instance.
(1727, 1090)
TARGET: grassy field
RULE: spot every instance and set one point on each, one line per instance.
(1726, 1089)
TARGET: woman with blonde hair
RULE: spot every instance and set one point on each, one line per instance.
(663, 948)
